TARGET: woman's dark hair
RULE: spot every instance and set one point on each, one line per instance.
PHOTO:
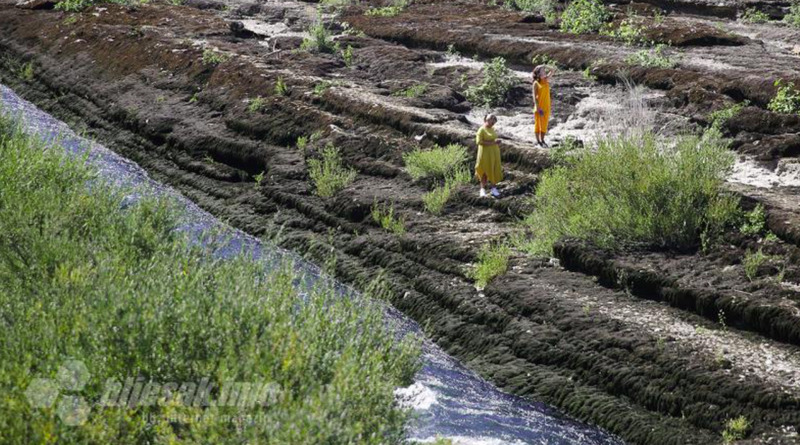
(537, 72)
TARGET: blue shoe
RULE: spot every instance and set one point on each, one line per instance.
(495, 193)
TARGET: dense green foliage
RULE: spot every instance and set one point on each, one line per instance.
(753, 15)
(655, 57)
(793, 17)
(125, 294)
(436, 162)
(786, 100)
(635, 189)
(584, 16)
(328, 174)
(492, 262)
(629, 31)
(493, 89)
(385, 217)
(436, 199)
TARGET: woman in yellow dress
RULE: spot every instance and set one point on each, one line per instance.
(541, 101)
(487, 167)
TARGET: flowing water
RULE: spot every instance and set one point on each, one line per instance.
(449, 400)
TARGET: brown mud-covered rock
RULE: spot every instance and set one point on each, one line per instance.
(136, 79)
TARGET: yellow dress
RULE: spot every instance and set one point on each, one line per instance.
(542, 87)
(488, 162)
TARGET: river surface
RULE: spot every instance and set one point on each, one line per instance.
(448, 400)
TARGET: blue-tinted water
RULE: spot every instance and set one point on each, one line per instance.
(449, 400)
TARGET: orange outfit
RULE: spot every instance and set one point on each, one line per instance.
(541, 89)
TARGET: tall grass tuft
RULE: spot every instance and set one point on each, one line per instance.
(437, 162)
(436, 199)
(125, 294)
(328, 174)
(492, 262)
(635, 188)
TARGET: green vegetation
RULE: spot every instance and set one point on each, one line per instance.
(319, 39)
(584, 16)
(347, 56)
(546, 8)
(127, 295)
(752, 261)
(437, 162)
(415, 90)
(213, 58)
(719, 117)
(492, 262)
(328, 174)
(281, 89)
(753, 15)
(629, 32)
(322, 87)
(793, 17)
(755, 221)
(25, 71)
(258, 179)
(655, 57)
(388, 11)
(497, 82)
(635, 189)
(735, 429)
(302, 142)
(256, 104)
(436, 199)
(385, 217)
(786, 100)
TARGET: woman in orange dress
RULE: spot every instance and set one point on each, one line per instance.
(541, 101)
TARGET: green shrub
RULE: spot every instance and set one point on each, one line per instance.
(256, 104)
(437, 162)
(545, 8)
(492, 262)
(125, 294)
(385, 217)
(753, 15)
(302, 142)
(786, 100)
(755, 221)
(655, 57)
(719, 117)
(436, 199)
(80, 5)
(347, 55)
(584, 16)
(213, 58)
(322, 87)
(281, 89)
(634, 189)
(497, 82)
(25, 71)
(793, 17)
(629, 32)
(328, 174)
(415, 90)
(320, 39)
(388, 11)
(735, 429)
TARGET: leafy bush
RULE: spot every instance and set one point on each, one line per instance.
(753, 15)
(322, 87)
(719, 117)
(635, 189)
(545, 8)
(281, 89)
(735, 429)
(385, 217)
(415, 90)
(492, 262)
(628, 31)
(211, 57)
(436, 199)
(126, 295)
(786, 100)
(388, 11)
(755, 221)
(256, 104)
(347, 56)
(328, 174)
(752, 261)
(319, 39)
(584, 16)
(80, 5)
(497, 82)
(655, 57)
(793, 17)
(437, 162)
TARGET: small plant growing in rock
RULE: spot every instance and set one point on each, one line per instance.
(584, 16)
(256, 104)
(328, 174)
(385, 217)
(755, 221)
(753, 15)
(436, 199)
(319, 39)
(544, 8)
(71, 20)
(437, 162)
(752, 261)
(415, 90)
(322, 87)
(388, 11)
(194, 98)
(258, 179)
(213, 58)
(347, 55)
(26, 72)
(735, 429)
(719, 117)
(786, 100)
(281, 89)
(492, 262)
(587, 74)
(655, 57)
(629, 32)
(793, 17)
(497, 82)
(301, 143)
